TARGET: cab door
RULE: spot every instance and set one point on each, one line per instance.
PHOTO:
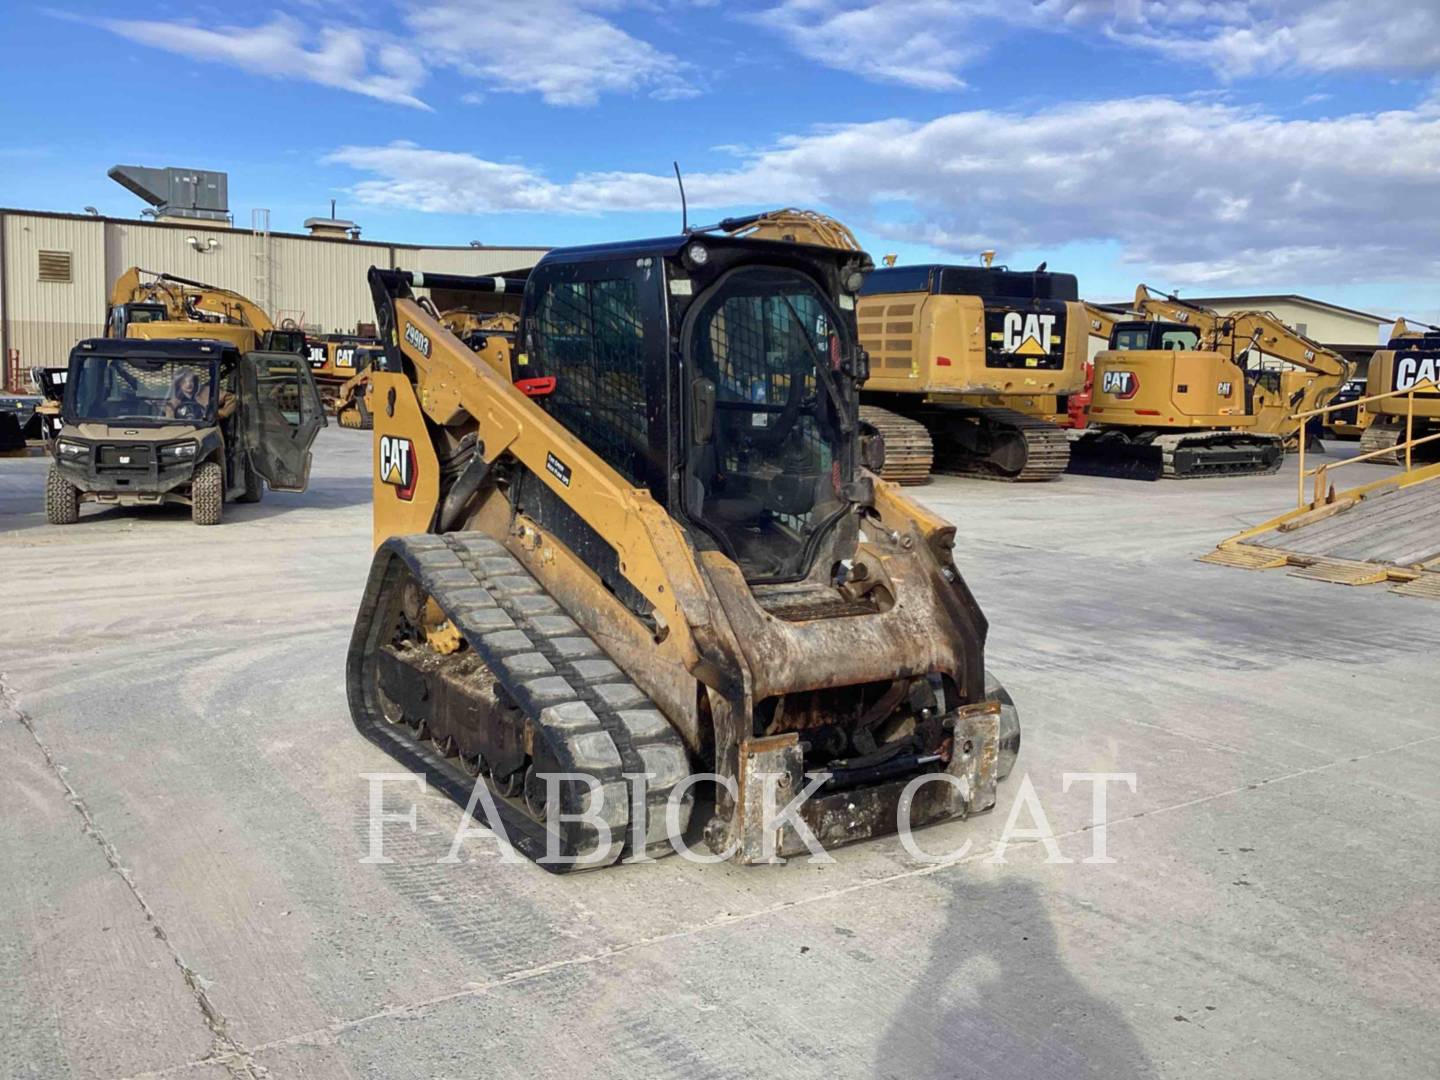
(281, 416)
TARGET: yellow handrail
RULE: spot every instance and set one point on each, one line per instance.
(1322, 472)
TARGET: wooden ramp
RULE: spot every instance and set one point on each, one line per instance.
(1384, 532)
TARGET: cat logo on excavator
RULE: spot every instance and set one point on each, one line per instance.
(1028, 335)
(1123, 384)
(397, 465)
(1413, 371)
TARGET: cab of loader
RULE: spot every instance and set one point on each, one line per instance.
(725, 386)
(187, 421)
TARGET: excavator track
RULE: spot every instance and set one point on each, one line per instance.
(999, 444)
(1202, 455)
(1194, 455)
(506, 689)
(909, 452)
(1380, 436)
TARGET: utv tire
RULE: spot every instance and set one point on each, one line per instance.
(207, 494)
(62, 499)
(254, 485)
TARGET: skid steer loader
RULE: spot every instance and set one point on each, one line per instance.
(632, 575)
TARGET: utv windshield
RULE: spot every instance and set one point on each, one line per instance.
(763, 474)
(135, 389)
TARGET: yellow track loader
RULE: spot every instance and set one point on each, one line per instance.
(1185, 392)
(334, 360)
(641, 586)
(971, 366)
(1410, 359)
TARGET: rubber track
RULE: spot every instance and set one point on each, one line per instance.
(591, 715)
(1047, 450)
(909, 452)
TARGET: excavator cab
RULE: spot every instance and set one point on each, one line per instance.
(123, 316)
(285, 340)
(1156, 335)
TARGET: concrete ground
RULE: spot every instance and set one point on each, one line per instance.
(184, 815)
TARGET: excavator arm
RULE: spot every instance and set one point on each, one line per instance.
(1242, 330)
(181, 296)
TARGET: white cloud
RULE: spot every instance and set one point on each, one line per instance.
(566, 51)
(341, 57)
(1199, 191)
(928, 43)
(919, 43)
(560, 49)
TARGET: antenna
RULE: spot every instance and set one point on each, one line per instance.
(684, 210)
(332, 209)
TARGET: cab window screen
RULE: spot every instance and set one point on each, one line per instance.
(590, 336)
(1134, 337)
(1179, 340)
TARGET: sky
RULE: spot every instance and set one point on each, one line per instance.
(1204, 146)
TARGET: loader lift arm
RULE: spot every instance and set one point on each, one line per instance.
(456, 384)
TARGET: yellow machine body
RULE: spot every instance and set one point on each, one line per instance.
(508, 543)
(937, 347)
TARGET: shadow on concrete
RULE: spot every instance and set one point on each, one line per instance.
(996, 1002)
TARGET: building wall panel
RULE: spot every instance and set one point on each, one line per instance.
(44, 319)
(320, 283)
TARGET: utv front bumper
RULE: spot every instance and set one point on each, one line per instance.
(128, 476)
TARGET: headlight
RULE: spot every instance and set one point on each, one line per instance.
(70, 449)
(697, 255)
(177, 451)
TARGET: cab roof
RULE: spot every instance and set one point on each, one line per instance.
(161, 348)
(667, 247)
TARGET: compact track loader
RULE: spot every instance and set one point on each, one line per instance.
(334, 360)
(1184, 392)
(637, 540)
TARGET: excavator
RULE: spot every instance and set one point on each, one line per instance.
(1409, 361)
(635, 582)
(1184, 392)
(971, 367)
(144, 304)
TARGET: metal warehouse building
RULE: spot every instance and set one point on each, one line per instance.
(56, 271)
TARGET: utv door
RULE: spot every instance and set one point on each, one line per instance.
(281, 417)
